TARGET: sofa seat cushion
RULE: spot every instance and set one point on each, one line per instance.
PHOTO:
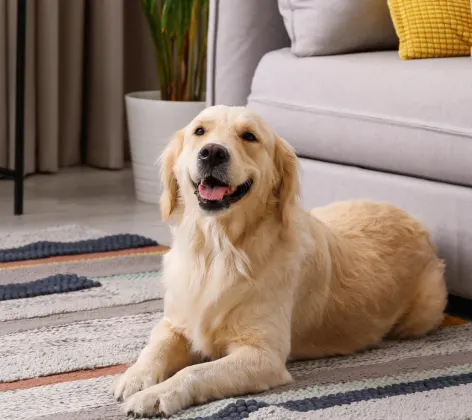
(372, 110)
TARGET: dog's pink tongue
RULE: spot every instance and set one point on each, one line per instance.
(212, 193)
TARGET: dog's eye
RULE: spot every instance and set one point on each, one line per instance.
(248, 136)
(200, 131)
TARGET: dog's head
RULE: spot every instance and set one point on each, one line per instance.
(227, 159)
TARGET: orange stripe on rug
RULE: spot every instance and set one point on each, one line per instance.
(63, 377)
(159, 249)
(450, 321)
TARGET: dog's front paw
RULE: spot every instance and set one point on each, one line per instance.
(154, 401)
(135, 379)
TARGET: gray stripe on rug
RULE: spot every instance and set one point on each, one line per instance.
(15, 326)
(115, 290)
(120, 264)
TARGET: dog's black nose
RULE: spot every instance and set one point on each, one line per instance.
(213, 154)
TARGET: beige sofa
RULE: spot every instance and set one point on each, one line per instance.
(365, 125)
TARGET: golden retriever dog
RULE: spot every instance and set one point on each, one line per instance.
(253, 280)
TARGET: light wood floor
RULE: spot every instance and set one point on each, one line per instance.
(84, 196)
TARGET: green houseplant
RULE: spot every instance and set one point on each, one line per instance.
(179, 32)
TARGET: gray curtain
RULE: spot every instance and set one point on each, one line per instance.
(82, 56)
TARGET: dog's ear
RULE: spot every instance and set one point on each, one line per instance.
(170, 187)
(288, 185)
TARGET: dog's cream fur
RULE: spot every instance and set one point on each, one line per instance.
(265, 281)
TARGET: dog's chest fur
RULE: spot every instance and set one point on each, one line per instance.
(203, 289)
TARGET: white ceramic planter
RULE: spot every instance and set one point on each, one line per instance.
(151, 124)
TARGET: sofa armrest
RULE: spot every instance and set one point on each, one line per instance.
(240, 33)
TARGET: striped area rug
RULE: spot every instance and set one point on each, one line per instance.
(77, 306)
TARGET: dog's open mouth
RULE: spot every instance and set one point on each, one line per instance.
(214, 194)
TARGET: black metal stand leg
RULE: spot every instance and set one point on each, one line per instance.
(20, 107)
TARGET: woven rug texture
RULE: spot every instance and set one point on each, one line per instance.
(77, 306)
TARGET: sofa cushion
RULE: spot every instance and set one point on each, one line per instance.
(324, 27)
(372, 110)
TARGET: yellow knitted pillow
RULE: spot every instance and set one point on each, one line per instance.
(432, 28)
